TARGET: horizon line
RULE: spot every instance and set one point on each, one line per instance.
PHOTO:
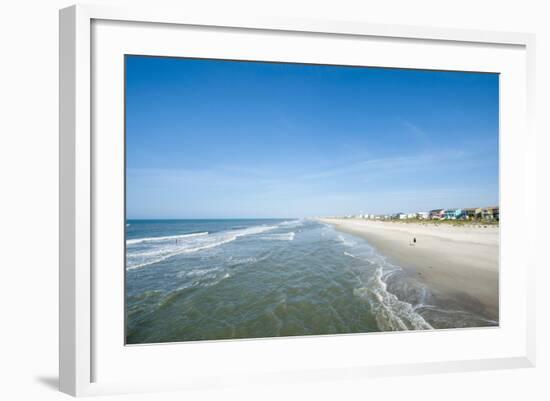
(214, 218)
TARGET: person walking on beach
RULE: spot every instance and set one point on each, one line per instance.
(414, 240)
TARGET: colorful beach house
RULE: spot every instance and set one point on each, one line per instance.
(470, 213)
(449, 214)
(478, 213)
(436, 214)
(490, 213)
(454, 214)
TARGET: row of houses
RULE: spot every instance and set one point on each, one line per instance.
(481, 213)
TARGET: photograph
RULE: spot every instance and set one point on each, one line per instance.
(275, 199)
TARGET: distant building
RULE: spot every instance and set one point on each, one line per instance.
(490, 213)
(454, 214)
(436, 214)
(479, 213)
(423, 215)
(470, 213)
(460, 214)
(449, 214)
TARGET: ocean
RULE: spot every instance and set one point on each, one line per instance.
(190, 280)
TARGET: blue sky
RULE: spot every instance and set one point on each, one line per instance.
(225, 139)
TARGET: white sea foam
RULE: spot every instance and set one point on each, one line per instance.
(161, 254)
(346, 241)
(166, 238)
(236, 261)
(280, 237)
(292, 223)
(198, 272)
(147, 251)
(390, 312)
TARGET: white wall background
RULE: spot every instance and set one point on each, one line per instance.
(29, 186)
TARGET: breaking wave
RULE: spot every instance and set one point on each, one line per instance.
(280, 237)
(166, 238)
(390, 312)
(144, 252)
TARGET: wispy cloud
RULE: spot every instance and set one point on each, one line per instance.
(366, 170)
(390, 165)
(418, 133)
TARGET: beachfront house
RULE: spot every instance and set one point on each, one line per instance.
(490, 213)
(399, 216)
(454, 214)
(423, 215)
(411, 215)
(435, 214)
(470, 213)
(460, 214)
(449, 214)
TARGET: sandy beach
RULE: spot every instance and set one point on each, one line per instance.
(455, 262)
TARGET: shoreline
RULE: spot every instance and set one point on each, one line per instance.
(459, 263)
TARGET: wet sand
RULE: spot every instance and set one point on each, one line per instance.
(455, 262)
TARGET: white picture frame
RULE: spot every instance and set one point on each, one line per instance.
(79, 345)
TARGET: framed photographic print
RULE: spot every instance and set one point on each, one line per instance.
(278, 200)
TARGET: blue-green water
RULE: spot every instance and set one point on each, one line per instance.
(224, 279)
